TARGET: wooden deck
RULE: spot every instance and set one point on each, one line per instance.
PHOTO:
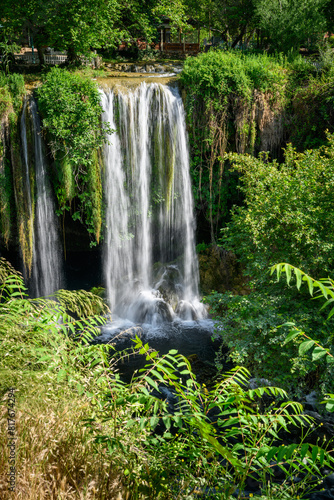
(190, 48)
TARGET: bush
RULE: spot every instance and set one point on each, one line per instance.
(71, 109)
(12, 90)
(288, 214)
(213, 439)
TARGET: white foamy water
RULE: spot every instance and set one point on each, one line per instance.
(149, 207)
(47, 260)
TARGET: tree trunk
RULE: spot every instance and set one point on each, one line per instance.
(239, 37)
(72, 56)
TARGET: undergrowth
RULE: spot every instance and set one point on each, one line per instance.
(84, 433)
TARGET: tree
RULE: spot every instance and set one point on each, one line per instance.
(77, 26)
(233, 20)
(289, 23)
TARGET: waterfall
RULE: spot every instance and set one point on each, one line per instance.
(25, 156)
(29, 219)
(46, 268)
(149, 250)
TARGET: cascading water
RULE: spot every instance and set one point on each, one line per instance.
(25, 155)
(46, 268)
(149, 207)
(29, 219)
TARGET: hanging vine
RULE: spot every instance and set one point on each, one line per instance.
(233, 103)
(24, 213)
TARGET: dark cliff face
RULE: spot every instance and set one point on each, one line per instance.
(220, 271)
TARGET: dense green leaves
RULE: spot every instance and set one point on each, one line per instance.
(288, 214)
(212, 437)
(71, 109)
(74, 25)
(289, 23)
(225, 96)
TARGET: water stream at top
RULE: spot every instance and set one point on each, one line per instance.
(150, 263)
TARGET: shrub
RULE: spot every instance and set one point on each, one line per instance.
(288, 212)
(71, 110)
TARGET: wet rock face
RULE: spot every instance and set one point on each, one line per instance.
(169, 284)
(147, 307)
(220, 271)
(186, 311)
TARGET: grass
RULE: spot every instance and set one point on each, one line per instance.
(56, 456)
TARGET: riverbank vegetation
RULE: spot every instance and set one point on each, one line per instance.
(248, 103)
(82, 431)
(261, 124)
(283, 208)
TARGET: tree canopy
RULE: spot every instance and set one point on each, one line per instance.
(79, 27)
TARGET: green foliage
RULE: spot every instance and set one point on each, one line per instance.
(313, 112)
(205, 426)
(231, 101)
(222, 73)
(75, 26)
(215, 438)
(24, 217)
(6, 197)
(81, 303)
(324, 288)
(71, 109)
(290, 23)
(288, 211)
(252, 328)
(248, 103)
(255, 328)
(5, 99)
(12, 90)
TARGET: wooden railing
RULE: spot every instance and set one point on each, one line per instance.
(141, 45)
(55, 59)
(168, 47)
(181, 47)
(29, 58)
